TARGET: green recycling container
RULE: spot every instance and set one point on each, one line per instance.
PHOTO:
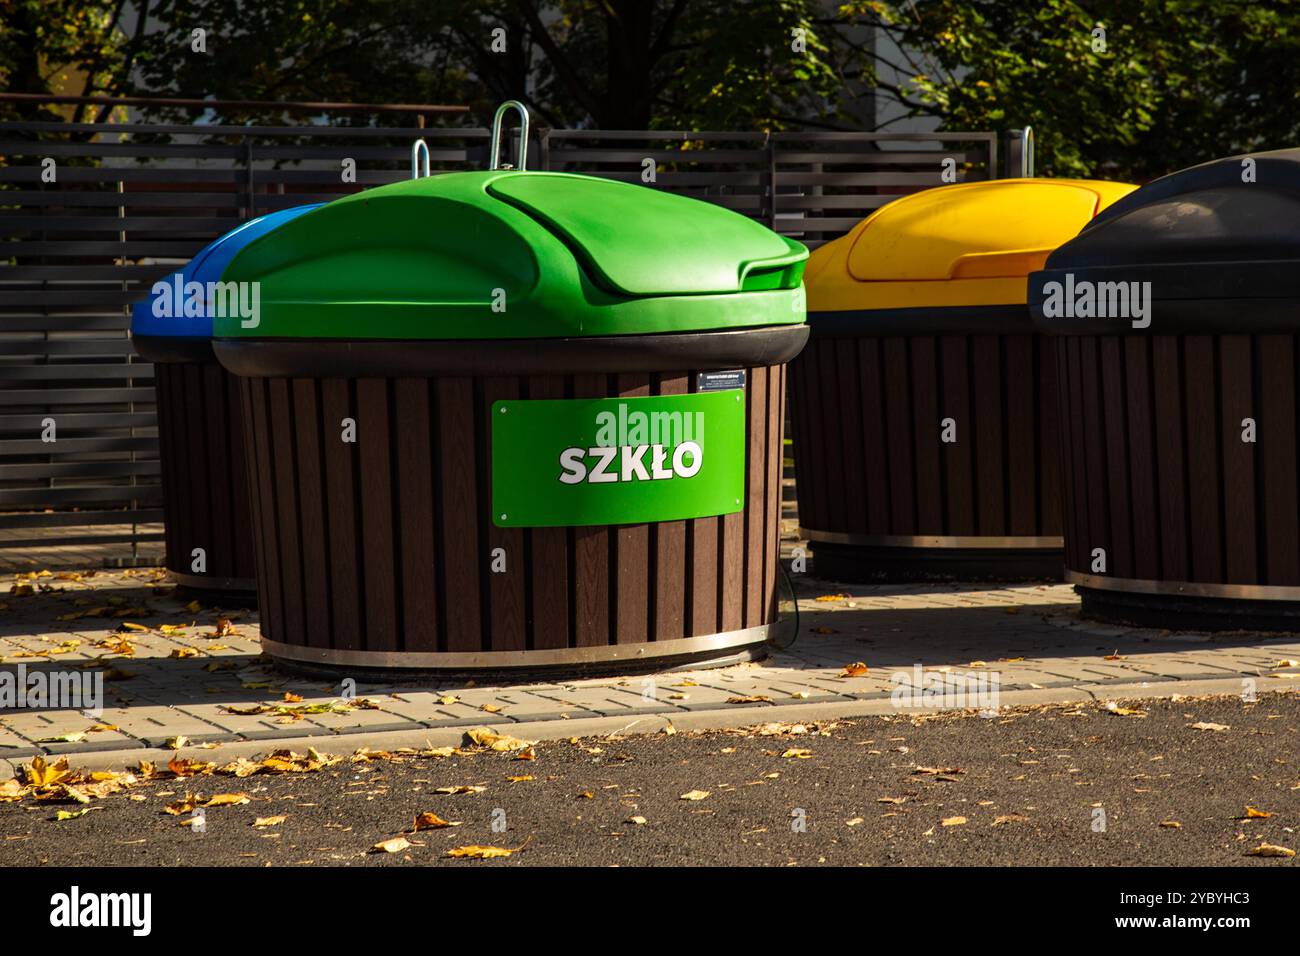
(516, 420)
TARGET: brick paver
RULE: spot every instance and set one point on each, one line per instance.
(169, 673)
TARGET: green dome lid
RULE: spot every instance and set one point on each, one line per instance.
(513, 254)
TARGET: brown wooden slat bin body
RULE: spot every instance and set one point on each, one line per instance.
(378, 554)
(201, 451)
(924, 409)
(1181, 457)
(883, 496)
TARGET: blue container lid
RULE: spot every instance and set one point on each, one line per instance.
(205, 267)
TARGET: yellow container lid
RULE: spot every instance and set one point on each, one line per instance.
(961, 245)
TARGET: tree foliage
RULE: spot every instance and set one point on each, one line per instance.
(1173, 82)
(1163, 85)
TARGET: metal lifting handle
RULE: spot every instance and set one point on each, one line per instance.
(495, 148)
(419, 146)
(1027, 152)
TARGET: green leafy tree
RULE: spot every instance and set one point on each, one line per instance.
(1125, 88)
(68, 47)
(628, 64)
(359, 51)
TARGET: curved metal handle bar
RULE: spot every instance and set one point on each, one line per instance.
(495, 147)
(1027, 152)
(419, 146)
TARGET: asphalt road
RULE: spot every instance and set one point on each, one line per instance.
(1029, 785)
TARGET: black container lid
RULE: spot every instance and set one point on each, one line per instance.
(1219, 245)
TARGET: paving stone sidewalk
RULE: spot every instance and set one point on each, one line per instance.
(169, 672)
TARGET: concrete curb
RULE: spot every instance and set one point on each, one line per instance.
(730, 718)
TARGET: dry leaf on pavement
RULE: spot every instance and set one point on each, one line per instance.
(431, 821)
(479, 852)
(502, 743)
(228, 800)
(1271, 849)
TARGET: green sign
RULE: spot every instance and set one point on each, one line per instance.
(566, 462)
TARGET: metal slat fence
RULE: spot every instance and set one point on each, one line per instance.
(91, 216)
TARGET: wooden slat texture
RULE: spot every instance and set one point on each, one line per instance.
(1023, 450)
(988, 416)
(958, 456)
(1094, 450)
(1277, 448)
(267, 534)
(285, 478)
(875, 442)
(1116, 478)
(311, 513)
(1047, 409)
(1171, 463)
(1204, 457)
(548, 560)
(849, 389)
(1147, 526)
(899, 437)
(345, 592)
(1241, 541)
(458, 505)
(417, 526)
(928, 476)
(204, 480)
(882, 400)
(1155, 464)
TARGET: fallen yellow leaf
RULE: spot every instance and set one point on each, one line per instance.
(479, 852)
(1270, 849)
(41, 774)
(502, 743)
(228, 800)
(431, 821)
